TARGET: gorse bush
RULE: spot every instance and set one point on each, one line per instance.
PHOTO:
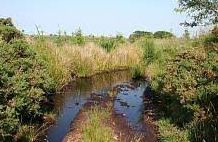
(188, 91)
(7, 30)
(24, 87)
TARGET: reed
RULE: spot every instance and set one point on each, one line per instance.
(67, 61)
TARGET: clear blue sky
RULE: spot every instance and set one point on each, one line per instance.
(101, 17)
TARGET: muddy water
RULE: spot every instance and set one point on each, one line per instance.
(129, 103)
(70, 100)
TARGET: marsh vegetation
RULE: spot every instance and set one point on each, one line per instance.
(181, 75)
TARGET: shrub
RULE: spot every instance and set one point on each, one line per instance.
(190, 80)
(24, 87)
(211, 40)
(78, 38)
(163, 34)
(140, 34)
(7, 30)
(149, 51)
(107, 43)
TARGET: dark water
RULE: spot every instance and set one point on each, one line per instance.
(129, 103)
(71, 99)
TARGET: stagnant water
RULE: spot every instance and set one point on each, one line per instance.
(68, 102)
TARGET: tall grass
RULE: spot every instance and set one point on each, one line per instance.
(94, 130)
(67, 61)
(56, 64)
(156, 53)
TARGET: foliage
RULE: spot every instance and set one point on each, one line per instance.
(24, 87)
(171, 133)
(107, 43)
(95, 130)
(139, 34)
(163, 34)
(57, 66)
(149, 51)
(201, 12)
(78, 38)
(7, 30)
(211, 40)
(137, 71)
(188, 91)
(120, 39)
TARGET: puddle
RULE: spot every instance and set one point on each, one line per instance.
(129, 103)
(68, 102)
(71, 99)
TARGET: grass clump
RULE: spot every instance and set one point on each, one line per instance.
(86, 60)
(56, 64)
(94, 129)
(171, 133)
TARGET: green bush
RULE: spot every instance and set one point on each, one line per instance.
(188, 90)
(8, 31)
(211, 40)
(78, 38)
(149, 51)
(25, 84)
(107, 43)
(140, 34)
(163, 34)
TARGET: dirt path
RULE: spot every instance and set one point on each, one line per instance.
(121, 130)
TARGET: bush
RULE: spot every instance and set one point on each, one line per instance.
(8, 31)
(107, 43)
(24, 85)
(211, 40)
(163, 34)
(149, 51)
(140, 34)
(191, 84)
(78, 38)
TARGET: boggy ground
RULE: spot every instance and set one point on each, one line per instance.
(118, 129)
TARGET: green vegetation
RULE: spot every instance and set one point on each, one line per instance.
(85, 60)
(7, 30)
(170, 133)
(95, 129)
(25, 85)
(201, 12)
(140, 34)
(185, 85)
(163, 34)
(183, 75)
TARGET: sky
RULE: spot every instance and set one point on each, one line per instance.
(98, 17)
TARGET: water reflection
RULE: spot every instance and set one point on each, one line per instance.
(73, 96)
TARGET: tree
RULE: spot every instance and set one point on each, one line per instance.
(139, 34)
(201, 12)
(163, 34)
